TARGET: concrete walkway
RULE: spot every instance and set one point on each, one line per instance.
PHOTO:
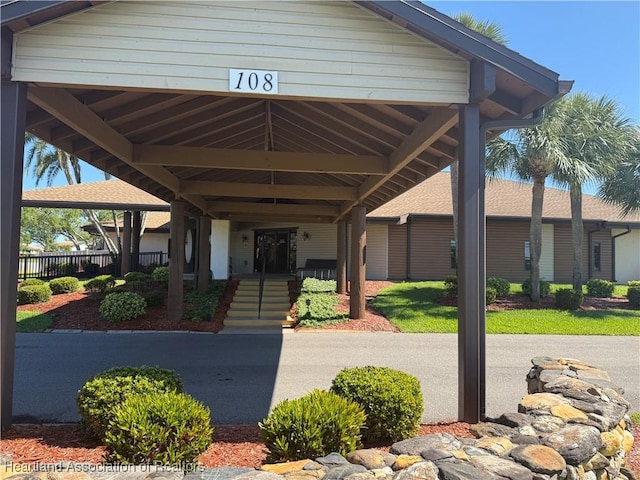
(241, 376)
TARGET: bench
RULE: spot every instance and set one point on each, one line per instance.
(318, 268)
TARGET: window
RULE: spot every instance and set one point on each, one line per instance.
(452, 255)
(527, 255)
(596, 257)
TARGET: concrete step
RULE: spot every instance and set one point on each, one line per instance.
(266, 314)
(251, 321)
(253, 307)
(251, 289)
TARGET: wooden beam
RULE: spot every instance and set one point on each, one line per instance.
(273, 209)
(255, 218)
(261, 190)
(510, 103)
(259, 160)
(69, 110)
(427, 132)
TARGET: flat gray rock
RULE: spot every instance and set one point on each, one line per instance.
(415, 446)
(501, 467)
(343, 471)
(220, 473)
(332, 460)
(463, 471)
(576, 443)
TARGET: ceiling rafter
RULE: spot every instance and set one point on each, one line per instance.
(261, 190)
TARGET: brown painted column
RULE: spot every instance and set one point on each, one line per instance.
(471, 307)
(204, 253)
(341, 263)
(358, 261)
(135, 241)
(14, 101)
(125, 260)
(176, 262)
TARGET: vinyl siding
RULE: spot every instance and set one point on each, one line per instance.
(429, 249)
(397, 252)
(505, 250)
(377, 247)
(627, 255)
(319, 49)
(322, 243)
(563, 259)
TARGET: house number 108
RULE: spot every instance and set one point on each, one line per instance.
(253, 81)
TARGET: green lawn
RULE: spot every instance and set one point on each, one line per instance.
(31, 322)
(412, 308)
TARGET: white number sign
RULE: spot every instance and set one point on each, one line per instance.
(253, 81)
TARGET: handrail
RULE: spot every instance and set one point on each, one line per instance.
(263, 271)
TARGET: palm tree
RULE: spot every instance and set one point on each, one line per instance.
(494, 32)
(47, 162)
(596, 136)
(531, 154)
(622, 188)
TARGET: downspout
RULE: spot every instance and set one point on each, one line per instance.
(535, 119)
(613, 253)
(409, 221)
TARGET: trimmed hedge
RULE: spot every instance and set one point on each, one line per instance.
(161, 274)
(158, 428)
(500, 285)
(633, 294)
(64, 285)
(137, 277)
(30, 282)
(545, 288)
(34, 294)
(391, 399)
(99, 396)
(451, 285)
(154, 298)
(121, 306)
(568, 299)
(95, 286)
(490, 295)
(315, 285)
(596, 287)
(315, 425)
(110, 280)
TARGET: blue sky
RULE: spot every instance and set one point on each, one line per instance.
(597, 44)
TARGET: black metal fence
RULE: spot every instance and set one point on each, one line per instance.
(83, 265)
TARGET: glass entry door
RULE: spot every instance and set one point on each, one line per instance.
(276, 249)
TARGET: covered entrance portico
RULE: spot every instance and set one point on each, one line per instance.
(280, 112)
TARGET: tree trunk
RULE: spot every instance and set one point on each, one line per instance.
(577, 233)
(90, 214)
(454, 202)
(535, 235)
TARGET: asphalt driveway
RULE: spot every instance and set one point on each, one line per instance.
(241, 376)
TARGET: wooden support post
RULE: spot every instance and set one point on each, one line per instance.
(135, 241)
(471, 308)
(341, 263)
(176, 262)
(204, 253)
(125, 260)
(14, 104)
(358, 261)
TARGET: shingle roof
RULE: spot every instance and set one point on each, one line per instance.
(111, 194)
(504, 198)
(155, 220)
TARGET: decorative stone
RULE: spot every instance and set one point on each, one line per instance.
(389, 459)
(627, 442)
(404, 461)
(540, 459)
(311, 465)
(575, 443)
(382, 472)
(501, 467)
(369, 458)
(513, 419)
(548, 423)
(305, 475)
(287, 467)
(422, 471)
(463, 471)
(597, 462)
(611, 443)
(220, 473)
(496, 445)
(341, 472)
(567, 411)
(332, 460)
(460, 455)
(540, 401)
(368, 475)
(415, 446)
(436, 454)
(484, 429)
(257, 475)
(475, 452)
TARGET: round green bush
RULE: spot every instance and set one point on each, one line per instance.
(95, 286)
(451, 285)
(137, 277)
(392, 400)
(34, 294)
(161, 274)
(99, 396)
(633, 294)
(110, 280)
(490, 295)
(138, 286)
(154, 298)
(64, 285)
(545, 287)
(568, 299)
(121, 306)
(315, 425)
(596, 287)
(634, 283)
(500, 285)
(166, 428)
(30, 282)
